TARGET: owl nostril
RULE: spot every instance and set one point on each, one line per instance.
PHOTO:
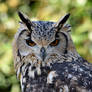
(43, 53)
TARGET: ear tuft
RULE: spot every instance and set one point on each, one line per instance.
(62, 21)
(25, 20)
(65, 18)
(22, 17)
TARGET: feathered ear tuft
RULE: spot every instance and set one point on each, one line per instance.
(25, 20)
(22, 17)
(62, 21)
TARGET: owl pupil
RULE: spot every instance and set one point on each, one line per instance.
(55, 42)
(30, 42)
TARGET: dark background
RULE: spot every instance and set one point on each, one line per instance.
(80, 20)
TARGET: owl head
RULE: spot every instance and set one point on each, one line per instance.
(44, 39)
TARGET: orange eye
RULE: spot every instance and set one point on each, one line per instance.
(30, 43)
(55, 42)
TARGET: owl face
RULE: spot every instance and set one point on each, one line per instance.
(41, 39)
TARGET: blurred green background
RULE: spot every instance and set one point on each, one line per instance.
(80, 20)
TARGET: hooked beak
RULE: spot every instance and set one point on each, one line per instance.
(43, 53)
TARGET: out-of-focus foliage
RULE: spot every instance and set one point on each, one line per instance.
(80, 19)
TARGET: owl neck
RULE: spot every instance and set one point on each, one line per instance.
(43, 68)
(68, 57)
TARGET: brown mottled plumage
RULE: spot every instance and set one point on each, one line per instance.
(46, 60)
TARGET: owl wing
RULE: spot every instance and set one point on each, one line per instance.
(74, 76)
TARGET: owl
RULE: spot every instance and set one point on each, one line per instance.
(45, 58)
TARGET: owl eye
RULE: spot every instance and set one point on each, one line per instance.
(55, 42)
(30, 43)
